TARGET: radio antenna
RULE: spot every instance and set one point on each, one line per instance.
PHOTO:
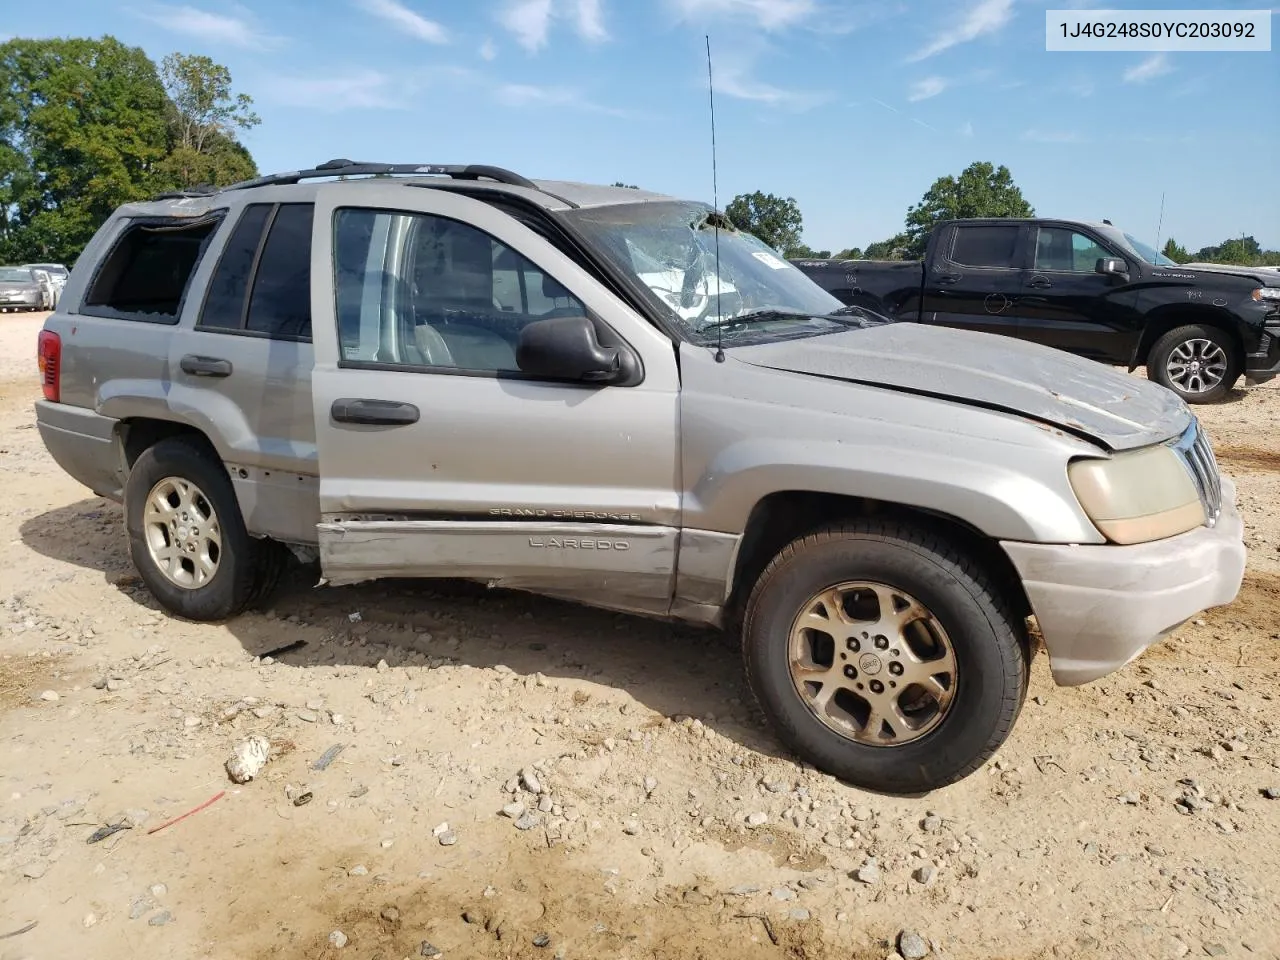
(1160, 225)
(715, 202)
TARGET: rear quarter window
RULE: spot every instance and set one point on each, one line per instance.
(148, 272)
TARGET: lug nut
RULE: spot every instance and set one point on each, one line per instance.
(877, 686)
(882, 643)
(850, 672)
(896, 669)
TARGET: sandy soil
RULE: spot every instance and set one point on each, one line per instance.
(1123, 819)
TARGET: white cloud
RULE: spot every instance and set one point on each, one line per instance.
(766, 14)
(359, 89)
(488, 49)
(406, 20)
(588, 20)
(1156, 65)
(735, 82)
(529, 21)
(926, 88)
(1052, 136)
(215, 28)
(986, 16)
(967, 130)
(530, 95)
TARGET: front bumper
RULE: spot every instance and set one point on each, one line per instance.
(1263, 364)
(1099, 607)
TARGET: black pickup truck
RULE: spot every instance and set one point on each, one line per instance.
(1088, 288)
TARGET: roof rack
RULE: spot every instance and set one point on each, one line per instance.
(356, 168)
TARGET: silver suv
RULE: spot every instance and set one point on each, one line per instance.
(613, 396)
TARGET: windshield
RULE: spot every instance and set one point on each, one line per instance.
(670, 247)
(1137, 248)
(15, 275)
(52, 269)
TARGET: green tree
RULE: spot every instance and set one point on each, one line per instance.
(204, 117)
(850, 253)
(82, 130)
(629, 186)
(981, 190)
(1175, 251)
(774, 220)
(895, 248)
(805, 252)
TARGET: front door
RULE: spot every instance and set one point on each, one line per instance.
(1066, 304)
(438, 456)
(974, 278)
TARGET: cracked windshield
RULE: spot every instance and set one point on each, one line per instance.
(671, 249)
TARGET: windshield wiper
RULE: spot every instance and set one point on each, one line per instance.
(757, 316)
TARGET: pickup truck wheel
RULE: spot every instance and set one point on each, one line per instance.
(884, 657)
(186, 535)
(1199, 363)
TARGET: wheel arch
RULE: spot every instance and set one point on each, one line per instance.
(781, 517)
(1161, 321)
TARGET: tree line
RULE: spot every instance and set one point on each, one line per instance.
(86, 125)
(981, 190)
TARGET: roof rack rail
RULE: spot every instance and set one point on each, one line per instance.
(200, 190)
(354, 168)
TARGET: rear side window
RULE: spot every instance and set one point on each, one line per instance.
(148, 272)
(262, 284)
(281, 303)
(985, 246)
(224, 303)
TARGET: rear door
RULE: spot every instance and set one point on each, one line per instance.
(242, 371)
(1066, 304)
(974, 277)
(438, 457)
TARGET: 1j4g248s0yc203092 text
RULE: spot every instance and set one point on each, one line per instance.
(1224, 31)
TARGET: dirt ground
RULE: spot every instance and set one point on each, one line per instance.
(1125, 819)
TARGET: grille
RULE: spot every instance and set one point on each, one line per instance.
(1196, 454)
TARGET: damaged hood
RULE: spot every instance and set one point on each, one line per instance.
(1094, 401)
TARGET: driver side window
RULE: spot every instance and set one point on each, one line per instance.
(1062, 250)
(422, 290)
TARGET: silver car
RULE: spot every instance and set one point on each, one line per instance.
(57, 275)
(21, 289)
(613, 396)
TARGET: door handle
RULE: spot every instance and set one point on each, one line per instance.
(1040, 283)
(950, 278)
(385, 413)
(205, 366)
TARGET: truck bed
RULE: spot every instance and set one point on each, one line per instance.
(890, 287)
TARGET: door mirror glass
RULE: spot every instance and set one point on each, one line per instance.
(1112, 267)
(566, 348)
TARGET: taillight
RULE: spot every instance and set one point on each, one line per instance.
(49, 357)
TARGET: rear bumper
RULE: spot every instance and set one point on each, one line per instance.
(83, 443)
(1099, 607)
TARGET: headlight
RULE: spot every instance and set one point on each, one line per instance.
(1271, 294)
(1139, 496)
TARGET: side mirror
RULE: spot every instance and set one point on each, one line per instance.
(1112, 267)
(566, 348)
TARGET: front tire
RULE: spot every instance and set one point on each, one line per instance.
(187, 537)
(1199, 363)
(884, 657)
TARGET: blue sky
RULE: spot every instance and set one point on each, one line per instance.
(853, 108)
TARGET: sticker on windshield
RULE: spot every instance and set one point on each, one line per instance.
(769, 260)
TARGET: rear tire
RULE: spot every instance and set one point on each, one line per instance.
(1199, 363)
(928, 593)
(187, 537)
